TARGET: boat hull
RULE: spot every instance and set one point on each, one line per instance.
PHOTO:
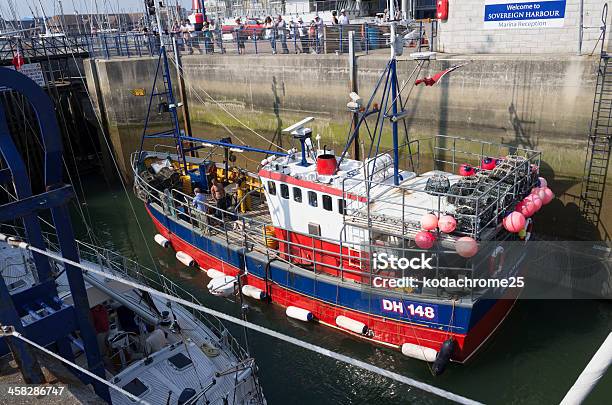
(327, 297)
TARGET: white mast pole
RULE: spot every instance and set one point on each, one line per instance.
(591, 375)
(392, 24)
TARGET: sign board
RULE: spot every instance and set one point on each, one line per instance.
(33, 71)
(138, 92)
(501, 14)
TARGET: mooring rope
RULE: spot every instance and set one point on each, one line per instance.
(305, 345)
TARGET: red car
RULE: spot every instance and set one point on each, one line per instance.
(252, 26)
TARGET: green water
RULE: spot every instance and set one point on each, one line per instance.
(533, 358)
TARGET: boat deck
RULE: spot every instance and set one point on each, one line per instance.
(192, 357)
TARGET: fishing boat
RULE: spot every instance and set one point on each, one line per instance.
(309, 228)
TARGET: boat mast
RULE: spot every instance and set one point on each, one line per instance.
(394, 98)
(168, 82)
(42, 9)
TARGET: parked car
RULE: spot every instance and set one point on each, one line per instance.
(252, 27)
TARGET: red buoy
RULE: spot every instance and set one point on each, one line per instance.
(488, 164)
(466, 170)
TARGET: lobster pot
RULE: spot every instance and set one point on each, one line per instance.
(351, 324)
(269, 237)
(186, 182)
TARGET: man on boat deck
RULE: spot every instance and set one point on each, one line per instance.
(218, 192)
(199, 201)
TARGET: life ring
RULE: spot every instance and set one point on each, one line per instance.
(496, 260)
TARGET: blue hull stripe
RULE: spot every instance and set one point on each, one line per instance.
(322, 289)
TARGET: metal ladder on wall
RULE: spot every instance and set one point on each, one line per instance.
(599, 144)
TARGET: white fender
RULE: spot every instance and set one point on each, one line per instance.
(222, 286)
(214, 273)
(253, 292)
(161, 241)
(419, 352)
(351, 324)
(185, 259)
(300, 314)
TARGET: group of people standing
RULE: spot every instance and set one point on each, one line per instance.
(308, 36)
(211, 34)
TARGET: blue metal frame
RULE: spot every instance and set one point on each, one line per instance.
(55, 198)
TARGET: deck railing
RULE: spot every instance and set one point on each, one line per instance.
(113, 262)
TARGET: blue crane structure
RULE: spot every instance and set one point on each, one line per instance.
(56, 327)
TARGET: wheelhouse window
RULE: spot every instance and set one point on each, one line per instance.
(272, 188)
(297, 194)
(312, 199)
(327, 202)
(284, 191)
(341, 206)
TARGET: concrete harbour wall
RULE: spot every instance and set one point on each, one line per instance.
(539, 102)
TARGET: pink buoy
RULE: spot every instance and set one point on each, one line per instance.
(543, 182)
(542, 194)
(447, 224)
(429, 222)
(535, 190)
(466, 246)
(526, 207)
(514, 222)
(424, 239)
(536, 200)
(548, 196)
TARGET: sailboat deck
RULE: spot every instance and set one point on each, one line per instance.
(194, 356)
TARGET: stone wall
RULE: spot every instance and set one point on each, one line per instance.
(538, 102)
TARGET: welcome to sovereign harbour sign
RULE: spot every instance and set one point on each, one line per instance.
(500, 14)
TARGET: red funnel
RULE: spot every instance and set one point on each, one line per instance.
(326, 164)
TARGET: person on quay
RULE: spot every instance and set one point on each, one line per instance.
(281, 27)
(344, 20)
(270, 28)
